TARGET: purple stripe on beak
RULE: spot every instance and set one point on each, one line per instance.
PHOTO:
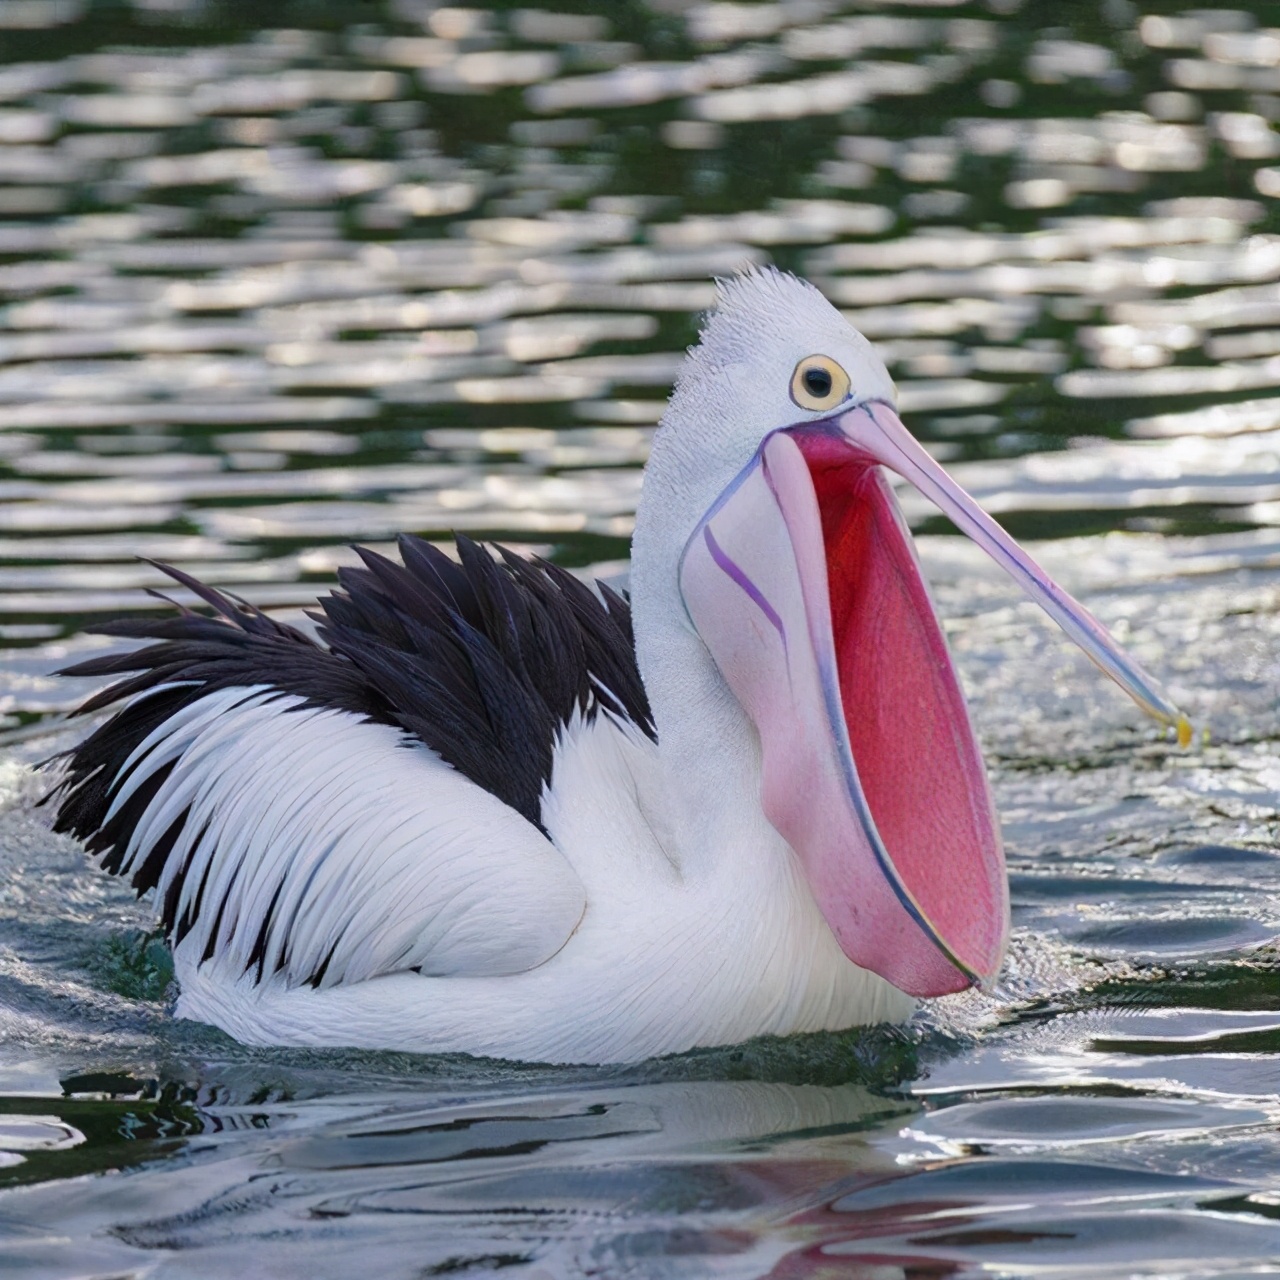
(725, 563)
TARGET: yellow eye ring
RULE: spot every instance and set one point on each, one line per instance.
(819, 383)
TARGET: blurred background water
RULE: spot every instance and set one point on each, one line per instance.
(279, 277)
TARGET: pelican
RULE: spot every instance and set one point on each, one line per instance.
(491, 810)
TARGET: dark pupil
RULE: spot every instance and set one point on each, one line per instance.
(817, 382)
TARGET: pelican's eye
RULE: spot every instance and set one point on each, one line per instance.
(819, 383)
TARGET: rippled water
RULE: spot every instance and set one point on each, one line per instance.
(279, 277)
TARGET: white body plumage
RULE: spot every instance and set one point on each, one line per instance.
(466, 826)
(588, 945)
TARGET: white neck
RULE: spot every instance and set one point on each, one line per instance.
(709, 749)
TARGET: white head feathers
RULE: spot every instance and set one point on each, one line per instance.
(735, 387)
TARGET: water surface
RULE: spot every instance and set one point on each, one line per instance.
(279, 278)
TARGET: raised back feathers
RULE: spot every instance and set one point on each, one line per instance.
(484, 661)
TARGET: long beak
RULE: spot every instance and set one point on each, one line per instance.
(878, 430)
(869, 770)
(802, 581)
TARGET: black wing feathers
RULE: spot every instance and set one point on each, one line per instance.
(482, 660)
(485, 659)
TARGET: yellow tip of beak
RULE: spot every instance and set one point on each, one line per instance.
(1184, 731)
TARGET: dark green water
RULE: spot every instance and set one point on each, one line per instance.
(279, 277)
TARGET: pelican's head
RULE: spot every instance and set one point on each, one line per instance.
(798, 572)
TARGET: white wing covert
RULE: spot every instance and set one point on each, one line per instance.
(306, 842)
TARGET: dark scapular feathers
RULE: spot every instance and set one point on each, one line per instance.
(484, 661)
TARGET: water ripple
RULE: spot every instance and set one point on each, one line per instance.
(271, 283)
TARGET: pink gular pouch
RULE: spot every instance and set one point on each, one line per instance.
(803, 582)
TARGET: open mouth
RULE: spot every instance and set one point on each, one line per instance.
(912, 742)
(802, 581)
